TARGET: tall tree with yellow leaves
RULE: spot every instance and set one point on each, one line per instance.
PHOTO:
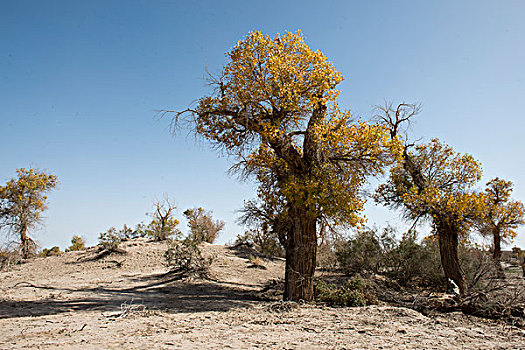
(274, 108)
(22, 201)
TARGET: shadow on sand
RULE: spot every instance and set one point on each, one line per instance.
(168, 292)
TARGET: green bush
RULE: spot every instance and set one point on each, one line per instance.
(413, 262)
(362, 253)
(55, 251)
(404, 260)
(77, 243)
(354, 292)
(161, 231)
(110, 240)
(409, 262)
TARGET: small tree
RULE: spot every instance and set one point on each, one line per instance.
(163, 224)
(77, 243)
(501, 217)
(202, 226)
(362, 253)
(22, 201)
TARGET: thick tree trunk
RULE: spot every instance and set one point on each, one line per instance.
(496, 255)
(25, 242)
(448, 249)
(301, 250)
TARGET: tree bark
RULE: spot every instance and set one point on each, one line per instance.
(448, 250)
(25, 242)
(496, 254)
(301, 251)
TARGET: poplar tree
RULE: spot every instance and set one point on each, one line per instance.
(22, 201)
(274, 109)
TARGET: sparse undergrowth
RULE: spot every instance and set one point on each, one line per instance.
(256, 262)
(110, 240)
(354, 292)
(9, 257)
(55, 251)
(185, 257)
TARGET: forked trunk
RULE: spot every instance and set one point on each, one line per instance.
(301, 249)
(496, 254)
(448, 250)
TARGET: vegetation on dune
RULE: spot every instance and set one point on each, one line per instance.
(77, 243)
(54, 251)
(22, 201)
(163, 224)
(185, 257)
(202, 226)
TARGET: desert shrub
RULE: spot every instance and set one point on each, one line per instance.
(140, 230)
(55, 251)
(110, 240)
(354, 292)
(409, 261)
(362, 253)
(404, 260)
(126, 233)
(186, 257)
(264, 242)
(256, 262)
(9, 257)
(202, 226)
(162, 230)
(477, 264)
(77, 243)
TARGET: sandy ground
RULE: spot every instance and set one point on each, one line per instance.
(128, 302)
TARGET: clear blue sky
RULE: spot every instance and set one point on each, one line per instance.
(80, 82)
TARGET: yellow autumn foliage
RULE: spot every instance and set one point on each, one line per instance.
(436, 183)
(501, 216)
(275, 107)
